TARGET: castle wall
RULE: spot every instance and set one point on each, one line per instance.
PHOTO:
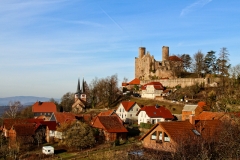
(183, 82)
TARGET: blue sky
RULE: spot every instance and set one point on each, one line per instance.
(46, 45)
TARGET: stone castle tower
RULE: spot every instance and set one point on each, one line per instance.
(146, 67)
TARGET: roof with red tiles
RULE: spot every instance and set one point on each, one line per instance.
(109, 123)
(9, 122)
(208, 128)
(174, 58)
(184, 129)
(128, 104)
(44, 107)
(107, 113)
(157, 85)
(174, 129)
(24, 129)
(157, 111)
(135, 81)
(205, 115)
(62, 117)
(51, 124)
(202, 104)
(124, 84)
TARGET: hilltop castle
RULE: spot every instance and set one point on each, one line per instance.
(147, 68)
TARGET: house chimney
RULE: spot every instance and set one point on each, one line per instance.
(157, 106)
(192, 119)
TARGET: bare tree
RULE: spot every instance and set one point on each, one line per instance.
(14, 108)
(198, 64)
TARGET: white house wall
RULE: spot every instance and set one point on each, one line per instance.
(144, 118)
(128, 115)
(151, 92)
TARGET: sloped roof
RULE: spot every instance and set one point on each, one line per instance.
(24, 129)
(109, 123)
(174, 129)
(128, 105)
(135, 81)
(184, 129)
(51, 124)
(62, 117)
(157, 85)
(153, 111)
(107, 113)
(190, 107)
(208, 128)
(206, 115)
(202, 104)
(174, 58)
(44, 107)
(9, 122)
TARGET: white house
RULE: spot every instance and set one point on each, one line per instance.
(152, 90)
(154, 114)
(127, 111)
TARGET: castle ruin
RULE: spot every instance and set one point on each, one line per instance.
(147, 68)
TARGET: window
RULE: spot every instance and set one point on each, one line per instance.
(125, 115)
(130, 115)
(166, 138)
(196, 132)
(160, 135)
(154, 136)
(153, 121)
(136, 109)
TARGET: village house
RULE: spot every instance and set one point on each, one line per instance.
(110, 128)
(24, 131)
(51, 127)
(169, 136)
(62, 118)
(132, 84)
(152, 90)
(43, 108)
(191, 110)
(154, 114)
(127, 111)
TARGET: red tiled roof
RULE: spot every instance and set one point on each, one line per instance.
(208, 128)
(8, 122)
(174, 58)
(24, 129)
(124, 84)
(51, 124)
(44, 107)
(205, 115)
(62, 117)
(157, 85)
(109, 123)
(202, 104)
(107, 113)
(135, 81)
(174, 129)
(127, 105)
(153, 111)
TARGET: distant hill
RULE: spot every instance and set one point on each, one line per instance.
(25, 100)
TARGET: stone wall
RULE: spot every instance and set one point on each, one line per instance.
(183, 82)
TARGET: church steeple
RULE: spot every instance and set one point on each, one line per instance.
(78, 92)
(83, 86)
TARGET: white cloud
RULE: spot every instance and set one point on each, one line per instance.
(194, 6)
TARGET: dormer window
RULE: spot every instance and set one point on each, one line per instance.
(154, 136)
(166, 138)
